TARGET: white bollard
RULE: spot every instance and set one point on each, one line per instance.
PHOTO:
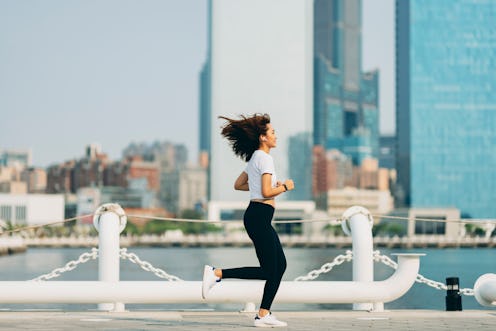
(109, 220)
(485, 290)
(360, 229)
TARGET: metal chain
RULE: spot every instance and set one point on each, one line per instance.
(340, 259)
(71, 265)
(147, 265)
(420, 279)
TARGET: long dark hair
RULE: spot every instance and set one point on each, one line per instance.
(244, 134)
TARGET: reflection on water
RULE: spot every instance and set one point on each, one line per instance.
(187, 263)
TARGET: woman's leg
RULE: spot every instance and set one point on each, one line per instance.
(257, 219)
(274, 264)
(269, 253)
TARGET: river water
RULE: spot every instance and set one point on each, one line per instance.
(187, 263)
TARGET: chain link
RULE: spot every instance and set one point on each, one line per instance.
(420, 279)
(71, 265)
(467, 291)
(147, 266)
(340, 259)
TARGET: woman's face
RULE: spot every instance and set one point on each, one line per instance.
(270, 138)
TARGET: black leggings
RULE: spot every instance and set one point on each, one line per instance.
(257, 219)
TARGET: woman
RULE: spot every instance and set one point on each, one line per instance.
(252, 138)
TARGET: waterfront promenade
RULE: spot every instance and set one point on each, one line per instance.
(425, 320)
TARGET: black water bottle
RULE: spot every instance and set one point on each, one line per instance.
(453, 297)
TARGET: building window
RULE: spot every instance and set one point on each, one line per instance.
(426, 227)
(20, 213)
(6, 213)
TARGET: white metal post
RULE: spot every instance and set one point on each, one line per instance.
(108, 222)
(360, 229)
(485, 290)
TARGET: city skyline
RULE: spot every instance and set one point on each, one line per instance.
(129, 76)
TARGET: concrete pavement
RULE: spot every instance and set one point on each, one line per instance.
(219, 321)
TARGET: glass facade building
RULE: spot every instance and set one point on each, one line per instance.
(446, 104)
(205, 112)
(204, 107)
(387, 152)
(300, 167)
(345, 99)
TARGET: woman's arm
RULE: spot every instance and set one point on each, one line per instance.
(270, 192)
(241, 183)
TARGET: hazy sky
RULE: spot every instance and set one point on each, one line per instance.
(117, 71)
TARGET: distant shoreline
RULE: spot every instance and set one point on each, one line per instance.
(242, 240)
(12, 245)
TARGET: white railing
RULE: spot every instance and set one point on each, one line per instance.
(112, 294)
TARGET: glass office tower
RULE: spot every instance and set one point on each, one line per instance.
(446, 104)
(346, 114)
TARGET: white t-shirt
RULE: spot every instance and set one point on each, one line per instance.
(259, 164)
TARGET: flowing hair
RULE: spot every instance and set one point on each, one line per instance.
(244, 134)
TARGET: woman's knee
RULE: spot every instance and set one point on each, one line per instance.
(282, 267)
(270, 270)
(277, 269)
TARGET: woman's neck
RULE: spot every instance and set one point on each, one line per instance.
(264, 148)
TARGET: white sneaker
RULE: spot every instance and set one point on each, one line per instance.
(269, 321)
(209, 280)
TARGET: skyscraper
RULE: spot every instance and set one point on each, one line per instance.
(205, 113)
(446, 104)
(300, 165)
(345, 99)
(259, 61)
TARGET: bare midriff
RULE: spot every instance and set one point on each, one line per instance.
(271, 202)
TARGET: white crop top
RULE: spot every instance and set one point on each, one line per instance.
(259, 164)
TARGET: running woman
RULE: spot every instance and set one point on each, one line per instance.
(252, 138)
